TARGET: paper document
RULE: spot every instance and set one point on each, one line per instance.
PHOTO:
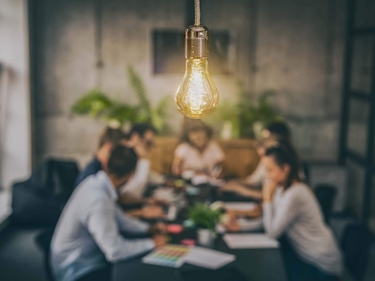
(164, 193)
(208, 258)
(247, 241)
(240, 206)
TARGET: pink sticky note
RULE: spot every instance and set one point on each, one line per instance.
(188, 242)
(174, 228)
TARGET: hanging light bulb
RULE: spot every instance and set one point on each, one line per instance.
(197, 96)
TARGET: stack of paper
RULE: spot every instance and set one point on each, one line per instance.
(240, 206)
(208, 258)
(247, 241)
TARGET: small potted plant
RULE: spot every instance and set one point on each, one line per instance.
(205, 219)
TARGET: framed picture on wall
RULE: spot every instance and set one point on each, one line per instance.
(169, 52)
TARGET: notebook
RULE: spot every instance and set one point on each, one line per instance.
(208, 258)
(248, 241)
(170, 256)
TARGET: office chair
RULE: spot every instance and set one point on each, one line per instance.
(356, 243)
(326, 194)
(43, 240)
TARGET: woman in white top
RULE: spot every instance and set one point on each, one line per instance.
(197, 152)
(291, 210)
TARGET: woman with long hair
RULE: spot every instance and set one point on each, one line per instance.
(291, 211)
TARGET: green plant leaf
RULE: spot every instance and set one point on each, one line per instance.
(139, 89)
(98, 105)
(93, 103)
(121, 113)
(204, 217)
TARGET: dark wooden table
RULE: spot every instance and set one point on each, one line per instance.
(255, 264)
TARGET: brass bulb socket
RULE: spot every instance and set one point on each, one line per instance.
(196, 42)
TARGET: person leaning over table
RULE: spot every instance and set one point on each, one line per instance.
(290, 209)
(251, 186)
(197, 152)
(141, 138)
(87, 235)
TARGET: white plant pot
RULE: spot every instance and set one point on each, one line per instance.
(257, 128)
(226, 131)
(206, 237)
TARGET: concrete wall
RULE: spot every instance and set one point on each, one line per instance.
(15, 158)
(293, 47)
(300, 54)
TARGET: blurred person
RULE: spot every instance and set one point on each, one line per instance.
(87, 235)
(290, 209)
(251, 186)
(141, 137)
(197, 152)
(108, 139)
(277, 130)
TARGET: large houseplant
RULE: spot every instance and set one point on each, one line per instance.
(245, 116)
(97, 104)
(254, 113)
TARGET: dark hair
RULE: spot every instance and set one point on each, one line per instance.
(279, 130)
(122, 161)
(194, 125)
(141, 129)
(284, 154)
(113, 136)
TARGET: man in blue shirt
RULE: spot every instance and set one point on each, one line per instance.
(88, 236)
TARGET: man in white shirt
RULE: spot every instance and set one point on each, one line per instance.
(141, 137)
(88, 236)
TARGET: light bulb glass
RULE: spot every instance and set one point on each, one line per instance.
(197, 96)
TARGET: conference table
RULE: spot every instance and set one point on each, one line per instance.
(264, 264)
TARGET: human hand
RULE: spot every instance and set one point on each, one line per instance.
(230, 186)
(254, 213)
(257, 212)
(141, 150)
(159, 228)
(159, 240)
(232, 224)
(216, 171)
(152, 212)
(269, 190)
(155, 201)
